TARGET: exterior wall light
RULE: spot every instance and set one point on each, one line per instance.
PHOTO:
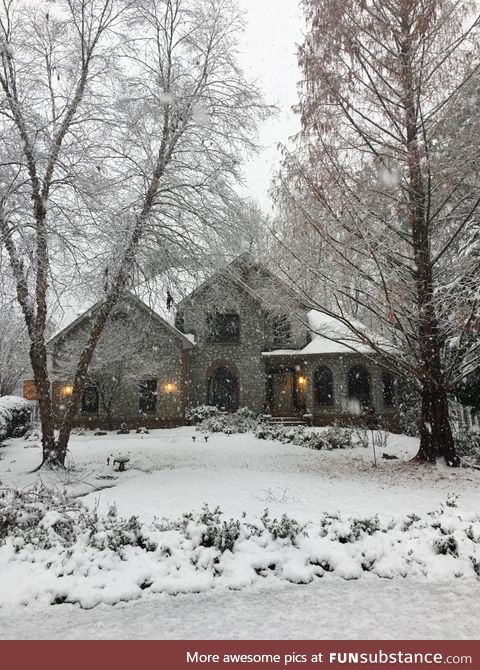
(170, 387)
(302, 380)
(67, 390)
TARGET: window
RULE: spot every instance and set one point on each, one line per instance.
(223, 327)
(148, 396)
(281, 330)
(359, 388)
(388, 389)
(324, 386)
(223, 389)
(90, 399)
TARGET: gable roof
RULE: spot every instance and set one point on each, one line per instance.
(186, 340)
(233, 271)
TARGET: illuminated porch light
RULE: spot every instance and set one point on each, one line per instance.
(170, 387)
(67, 390)
(302, 380)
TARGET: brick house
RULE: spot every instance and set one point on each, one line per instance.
(227, 345)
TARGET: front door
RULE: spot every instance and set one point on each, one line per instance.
(283, 385)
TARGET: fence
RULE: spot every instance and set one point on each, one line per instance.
(464, 418)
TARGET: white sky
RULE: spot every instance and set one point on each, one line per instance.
(268, 56)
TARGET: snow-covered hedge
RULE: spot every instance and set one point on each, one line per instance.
(54, 550)
(467, 445)
(215, 421)
(15, 416)
(331, 438)
(198, 414)
(211, 419)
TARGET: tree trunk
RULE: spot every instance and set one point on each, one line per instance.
(38, 359)
(436, 437)
(435, 430)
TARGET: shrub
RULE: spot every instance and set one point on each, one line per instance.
(332, 438)
(15, 416)
(213, 531)
(285, 528)
(467, 445)
(44, 517)
(23, 515)
(446, 546)
(241, 421)
(114, 532)
(198, 414)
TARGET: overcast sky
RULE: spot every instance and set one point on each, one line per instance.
(274, 27)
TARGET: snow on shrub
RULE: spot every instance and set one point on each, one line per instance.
(15, 416)
(54, 550)
(331, 438)
(211, 419)
(467, 445)
(198, 414)
(241, 421)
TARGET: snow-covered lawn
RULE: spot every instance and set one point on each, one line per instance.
(170, 474)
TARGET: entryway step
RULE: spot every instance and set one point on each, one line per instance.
(285, 420)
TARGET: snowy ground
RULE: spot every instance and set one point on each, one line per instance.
(169, 474)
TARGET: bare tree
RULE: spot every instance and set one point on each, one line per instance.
(13, 349)
(122, 126)
(383, 185)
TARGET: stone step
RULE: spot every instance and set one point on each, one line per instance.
(285, 420)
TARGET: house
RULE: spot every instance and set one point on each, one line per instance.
(257, 346)
(138, 374)
(240, 339)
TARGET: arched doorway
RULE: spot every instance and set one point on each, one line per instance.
(359, 388)
(223, 389)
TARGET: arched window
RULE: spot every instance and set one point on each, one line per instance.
(90, 400)
(359, 388)
(323, 386)
(147, 397)
(388, 389)
(223, 389)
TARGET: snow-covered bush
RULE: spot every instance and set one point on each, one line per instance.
(38, 516)
(15, 416)
(198, 414)
(206, 529)
(43, 518)
(241, 421)
(467, 445)
(114, 532)
(285, 528)
(331, 438)
(88, 558)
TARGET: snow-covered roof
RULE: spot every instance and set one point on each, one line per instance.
(188, 340)
(329, 335)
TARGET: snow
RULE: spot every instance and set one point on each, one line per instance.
(13, 402)
(331, 336)
(365, 609)
(169, 474)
